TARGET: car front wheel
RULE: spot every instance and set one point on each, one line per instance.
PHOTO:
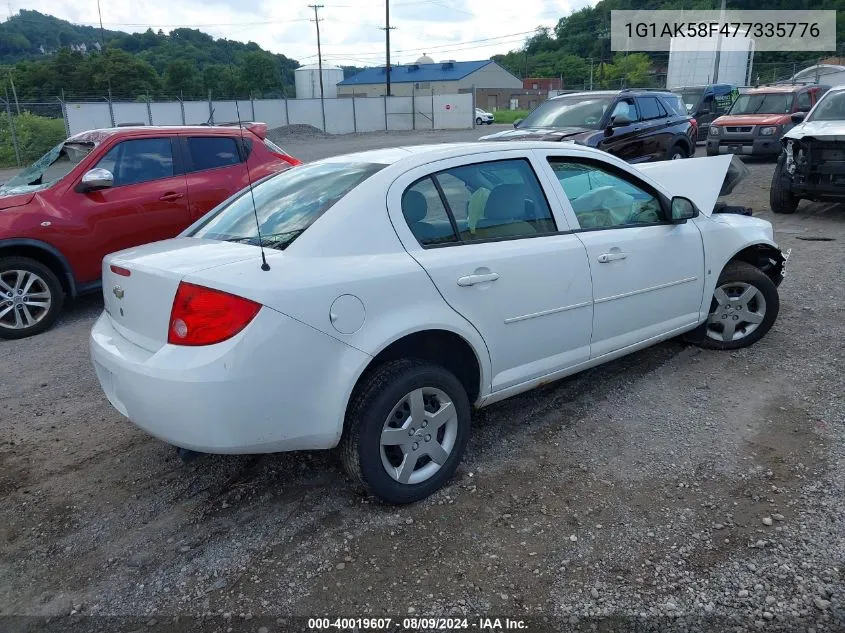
(406, 430)
(31, 297)
(744, 307)
(781, 198)
(677, 152)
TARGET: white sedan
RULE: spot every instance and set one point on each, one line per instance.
(404, 287)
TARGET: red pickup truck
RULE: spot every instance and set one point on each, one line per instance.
(105, 190)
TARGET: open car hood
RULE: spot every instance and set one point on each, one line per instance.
(702, 180)
(822, 130)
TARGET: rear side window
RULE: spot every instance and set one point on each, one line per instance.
(495, 200)
(140, 160)
(286, 204)
(211, 152)
(650, 108)
(804, 101)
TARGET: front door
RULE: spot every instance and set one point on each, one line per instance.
(648, 274)
(486, 235)
(147, 202)
(625, 141)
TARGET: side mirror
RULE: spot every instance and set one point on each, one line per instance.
(95, 179)
(797, 117)
(682, 210)
(517, 122)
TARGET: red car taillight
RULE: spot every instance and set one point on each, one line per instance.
(288, 159)
(202, 316)
(694, 123)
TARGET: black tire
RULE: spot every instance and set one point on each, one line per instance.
(712, 153)
(678, 149)
(489, 122)
(370, 406)
(478, 121)
(780, 198)
(52, 284)
(743, 272)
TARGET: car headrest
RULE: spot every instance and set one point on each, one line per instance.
(414, 206)
(506, 202)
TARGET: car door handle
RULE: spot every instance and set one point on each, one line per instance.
(171, 196)
(471, 280)
(609, 257)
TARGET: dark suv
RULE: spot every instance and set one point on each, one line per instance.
(636, 125)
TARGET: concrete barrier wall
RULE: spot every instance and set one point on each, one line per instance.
(343, 116)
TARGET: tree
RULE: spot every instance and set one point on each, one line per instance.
(259, 73)
(181, 78)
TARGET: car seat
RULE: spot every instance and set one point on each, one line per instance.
(504, 213)
(415, 210)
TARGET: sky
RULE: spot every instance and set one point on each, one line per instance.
(350, 30)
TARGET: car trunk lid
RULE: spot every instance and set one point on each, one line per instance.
(139, 284)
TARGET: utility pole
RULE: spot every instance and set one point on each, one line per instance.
(15, 93)
(719, 45)
(316, 21)
(102, 32)
(387, 28)
(591, 73)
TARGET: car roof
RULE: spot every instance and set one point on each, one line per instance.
(101, 134)
(780, 88)
(422, 154)
(613, 93)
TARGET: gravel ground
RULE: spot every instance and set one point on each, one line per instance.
(674, 489)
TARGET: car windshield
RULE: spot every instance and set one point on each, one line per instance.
(831, 107)
(577, 111)
(690, 96)
(285, 204)
(763, 103)
(50, 168)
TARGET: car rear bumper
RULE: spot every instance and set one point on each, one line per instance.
(768, 146)
(278, 385)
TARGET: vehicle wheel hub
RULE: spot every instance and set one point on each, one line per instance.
(418, 436)
(24, 299)
(738, 309)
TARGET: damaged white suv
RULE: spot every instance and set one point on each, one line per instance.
(812, 163)
(403, 287)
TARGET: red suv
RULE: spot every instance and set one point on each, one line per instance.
(106, 190)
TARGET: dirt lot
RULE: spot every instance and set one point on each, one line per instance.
(675, 487)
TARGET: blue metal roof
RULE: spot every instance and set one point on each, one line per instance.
(447, 71)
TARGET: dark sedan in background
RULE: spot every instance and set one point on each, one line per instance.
(635, 125)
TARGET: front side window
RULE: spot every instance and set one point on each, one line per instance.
(602, 199)
(804, 101)
(286, 204)
(625, 108)
(495, 200)
(139, 160)
(211, 152)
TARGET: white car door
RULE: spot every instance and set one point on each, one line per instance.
(648, 273)
(501, 257)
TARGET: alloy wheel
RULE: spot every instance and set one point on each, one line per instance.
(25, 299)
(739, 308)
(418, 436)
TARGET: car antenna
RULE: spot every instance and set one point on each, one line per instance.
(264, 265)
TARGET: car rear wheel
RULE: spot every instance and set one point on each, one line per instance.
(744, 307)
(478, 121)
(31, 297)
(406, 430)
(780, 198)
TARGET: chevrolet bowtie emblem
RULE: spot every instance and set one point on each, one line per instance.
(118, 292)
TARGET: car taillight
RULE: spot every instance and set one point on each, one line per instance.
(202, 316)
(694, 123)
(120, 270)
(287, 158)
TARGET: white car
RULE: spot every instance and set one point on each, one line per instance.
(482, 116)
(403, 287)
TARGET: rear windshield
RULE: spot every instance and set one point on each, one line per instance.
(285, 204)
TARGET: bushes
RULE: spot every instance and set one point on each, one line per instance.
(35, 135)
(509, 116)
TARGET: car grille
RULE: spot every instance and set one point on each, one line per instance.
(739, 130)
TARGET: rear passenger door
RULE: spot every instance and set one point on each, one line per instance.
(655, 127)
(502, 258)
(214, 168)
